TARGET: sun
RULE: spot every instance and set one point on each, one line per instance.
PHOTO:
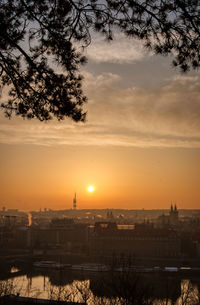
(91, 188)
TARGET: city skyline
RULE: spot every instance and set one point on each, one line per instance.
(100, 152)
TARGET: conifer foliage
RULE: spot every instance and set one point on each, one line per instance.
(40, 61)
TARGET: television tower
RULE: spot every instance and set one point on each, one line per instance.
(74, 202)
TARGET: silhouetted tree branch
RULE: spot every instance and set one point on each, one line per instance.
(40, 64)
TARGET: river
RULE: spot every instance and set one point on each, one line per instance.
(91, 286)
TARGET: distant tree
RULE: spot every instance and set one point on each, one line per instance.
(7, 287)
(40, 63)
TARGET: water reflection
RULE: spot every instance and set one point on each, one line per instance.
(14, 270)
(88, 287)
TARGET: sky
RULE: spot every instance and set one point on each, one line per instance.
(139, 148)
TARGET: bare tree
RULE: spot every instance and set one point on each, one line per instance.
(189, 294)
(7, 287)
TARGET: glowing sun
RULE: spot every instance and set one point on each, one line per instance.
(91, 188)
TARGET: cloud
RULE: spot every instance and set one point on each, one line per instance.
(103, 82)
(120, 50)
(167, 116)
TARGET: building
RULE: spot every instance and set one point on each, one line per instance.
(141, 240)
(62, 233)
(170, 220)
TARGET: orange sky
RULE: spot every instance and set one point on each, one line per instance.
(134, 178)
(140, 146)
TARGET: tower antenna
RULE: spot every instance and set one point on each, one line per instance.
(74, 201)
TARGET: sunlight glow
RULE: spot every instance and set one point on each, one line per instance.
(91, 188)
